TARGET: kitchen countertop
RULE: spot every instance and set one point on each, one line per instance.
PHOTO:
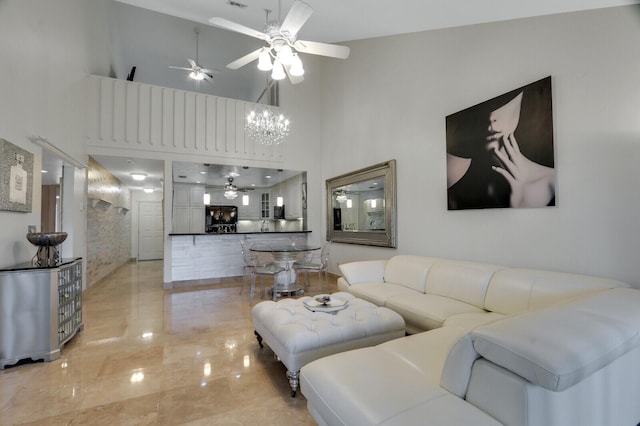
(242, 233)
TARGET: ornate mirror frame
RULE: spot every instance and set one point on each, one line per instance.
(371, 224)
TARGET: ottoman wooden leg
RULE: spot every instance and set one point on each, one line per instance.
(293, 377)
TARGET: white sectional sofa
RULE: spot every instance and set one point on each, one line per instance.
(490, 345)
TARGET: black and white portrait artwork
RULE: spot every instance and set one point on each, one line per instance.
(500, 152)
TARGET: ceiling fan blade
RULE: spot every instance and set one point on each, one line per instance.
(180, 68)
(244, 60)
(208, 71)
(193, 63)
(296, 17)
(232, 26)
(294, 79)
(324, 49)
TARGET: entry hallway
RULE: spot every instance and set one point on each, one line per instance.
(147, 356)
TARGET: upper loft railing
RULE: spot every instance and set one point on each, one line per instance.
(129, 115)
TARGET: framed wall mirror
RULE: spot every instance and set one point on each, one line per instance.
(361, 206)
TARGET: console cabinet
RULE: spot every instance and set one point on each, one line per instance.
(40, 310)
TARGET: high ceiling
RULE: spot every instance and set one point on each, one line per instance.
(342, 20)
(153, 41)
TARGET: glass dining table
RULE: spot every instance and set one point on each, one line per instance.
(284, 255)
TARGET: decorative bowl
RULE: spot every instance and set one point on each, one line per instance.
(46, 239)
(324, 299)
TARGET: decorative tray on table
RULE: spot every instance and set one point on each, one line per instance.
(324, 303)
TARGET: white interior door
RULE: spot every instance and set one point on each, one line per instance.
(150, 236)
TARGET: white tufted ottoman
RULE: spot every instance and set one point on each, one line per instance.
(298, 336)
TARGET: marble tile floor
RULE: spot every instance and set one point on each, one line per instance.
(149, 356)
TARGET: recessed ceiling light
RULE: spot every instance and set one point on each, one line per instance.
(44, 171)
(267, 177)
(203, 173)
(138, 176)
(148, 190)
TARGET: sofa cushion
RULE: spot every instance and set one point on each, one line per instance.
(518, 290)
(394, 383)
(365, 386)
(592, 333)
(408, 271)
(427, 352)
(427, 311)
(379, 293)
(471, 320)
(365, 271)
(460, 280)
(447, 410)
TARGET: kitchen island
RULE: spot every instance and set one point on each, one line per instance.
(211, 257)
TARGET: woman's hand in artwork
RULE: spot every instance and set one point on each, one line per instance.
(532, 184)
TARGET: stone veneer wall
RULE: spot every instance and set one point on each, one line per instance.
(108, 228)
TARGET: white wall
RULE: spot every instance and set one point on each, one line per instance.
(46, 49)
(152, 41)
(391, 97)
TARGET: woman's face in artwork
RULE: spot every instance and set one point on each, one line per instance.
(503, 122)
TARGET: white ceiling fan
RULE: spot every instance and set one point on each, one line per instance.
(197, 72)
(282, 44)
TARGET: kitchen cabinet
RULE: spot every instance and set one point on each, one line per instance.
(251, 211)
(291, 192)
(40, 310)
(293, 198)
(188, 208)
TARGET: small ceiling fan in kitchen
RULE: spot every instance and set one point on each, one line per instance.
(197, 72)
(280, 54)
(231, 190)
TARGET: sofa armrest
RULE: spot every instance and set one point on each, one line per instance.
(366, 271)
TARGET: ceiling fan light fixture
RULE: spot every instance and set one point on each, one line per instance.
(278, 71)
(197, 75)
(264, 60)
(296, 68)
(230, 194)
(285, 55)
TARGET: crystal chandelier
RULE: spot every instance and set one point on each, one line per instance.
(341, 196)
(267, 128)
